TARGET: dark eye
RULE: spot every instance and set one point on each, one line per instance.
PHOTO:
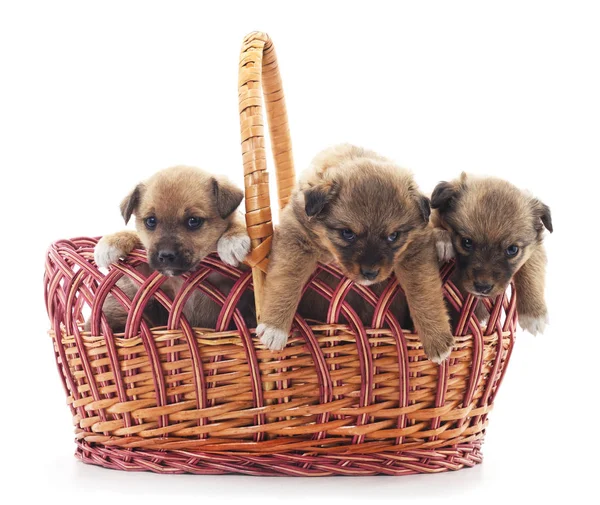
(512, 250)
(194, 223)
(467, 243)
(151, 222)
(392, 237)
(348, 235)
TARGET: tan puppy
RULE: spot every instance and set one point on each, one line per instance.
(182, 215)
(362, 212)
(496, 231)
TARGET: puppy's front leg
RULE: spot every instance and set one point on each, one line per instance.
(111, 248)
(290, 267)
(234, 244)
(530, 282)
(418, 274)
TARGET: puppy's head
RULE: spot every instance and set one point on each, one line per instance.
(494, 226)
(363, 213)
(180, 214)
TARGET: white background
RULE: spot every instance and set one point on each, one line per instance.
(95, 96)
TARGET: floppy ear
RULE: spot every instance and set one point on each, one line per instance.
(131, 202)
(227, 196)
(442, 196)
(424, 207)
(317, 197)
(542, 212)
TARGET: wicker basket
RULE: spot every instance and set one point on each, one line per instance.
(339, 399)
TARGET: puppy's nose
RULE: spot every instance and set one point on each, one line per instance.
(167, 256)
(369, 273)
(483, 287)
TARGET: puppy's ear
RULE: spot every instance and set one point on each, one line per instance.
(227, 196)
(317, 197)
(424, 207)
(442, 196)
(130, 202)
(542, 212)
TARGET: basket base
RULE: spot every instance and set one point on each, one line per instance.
(285, 464)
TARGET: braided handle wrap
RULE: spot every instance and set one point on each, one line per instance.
(259, 77)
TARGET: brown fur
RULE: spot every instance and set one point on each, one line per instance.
(496, 216)
(349, 188)
(172, 197)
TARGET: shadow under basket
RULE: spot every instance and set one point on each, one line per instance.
(341, 399)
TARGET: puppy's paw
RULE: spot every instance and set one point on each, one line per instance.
(233, 249)
(482, 314)
(438, 350)
(443, 245)
(273, 338)
(106, 253)
(533, 324)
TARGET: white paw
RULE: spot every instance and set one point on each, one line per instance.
(532, 324)
(439, 358)
(234, 249)
(445, 249)
(106, 254)
(273, 338)
(438, 350)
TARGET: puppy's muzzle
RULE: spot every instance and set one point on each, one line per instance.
(167, 257)
(369, 273)
(483, 288)
(169, 261)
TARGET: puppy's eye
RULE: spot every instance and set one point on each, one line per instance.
(392, 237)
(194, 223)
(467, 243)
(512, 250)
(151, 222)
(348, 235)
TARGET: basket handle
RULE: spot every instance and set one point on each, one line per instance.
(259, 77)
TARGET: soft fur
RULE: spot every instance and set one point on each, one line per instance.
(178, 199)
(350, 188)
(495, 217)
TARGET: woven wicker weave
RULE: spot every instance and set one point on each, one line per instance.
(339, 399)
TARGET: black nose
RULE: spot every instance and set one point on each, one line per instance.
(167, 256)
(368, 273)
(483, 287)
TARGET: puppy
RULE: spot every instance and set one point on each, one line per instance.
(362, 212)
(496, 232)
(182, 214)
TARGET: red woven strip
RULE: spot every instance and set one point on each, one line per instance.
(510, 307)
(232, 300)
(72, 287)
(307, 465)
(135, 324)
(494, 374)
(363, 348)
(325, 382)
(380, 315)
(467, 323)
(60, 292)
(177, 320)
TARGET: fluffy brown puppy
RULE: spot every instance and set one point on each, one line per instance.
(182, 214)
(359, 210)
(496, 232)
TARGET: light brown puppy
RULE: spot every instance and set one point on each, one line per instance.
(496, 232)
(359, 210)
(182, 214)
